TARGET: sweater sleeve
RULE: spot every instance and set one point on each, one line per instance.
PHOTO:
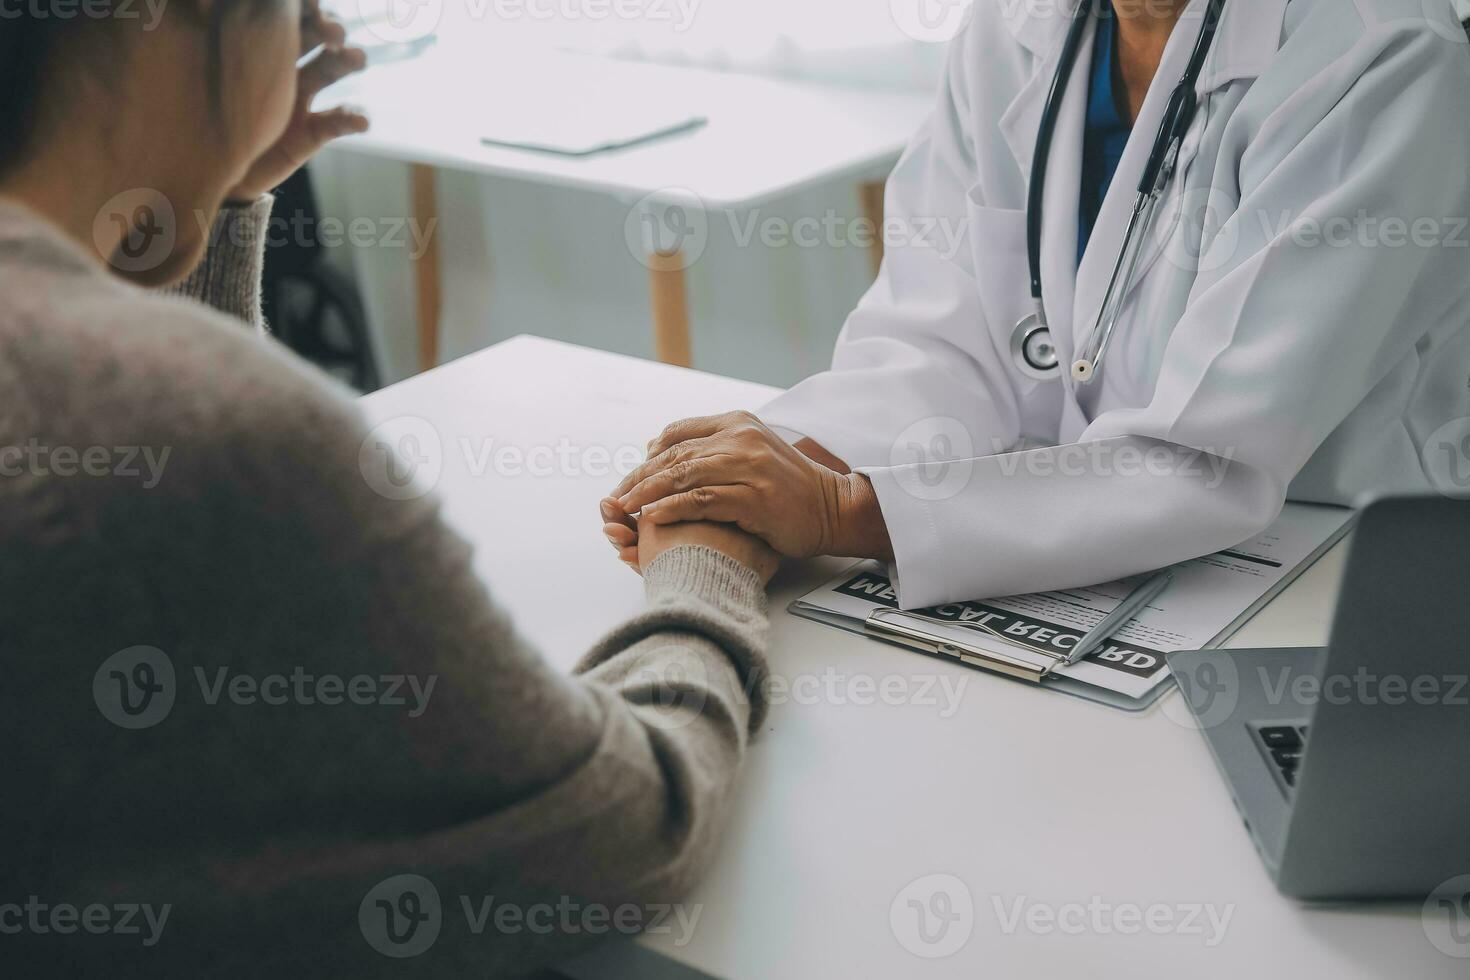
(229, 276)
(358, 730)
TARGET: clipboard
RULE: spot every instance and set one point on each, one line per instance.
(1028, 639)
(1019, 661)
(1013, 663)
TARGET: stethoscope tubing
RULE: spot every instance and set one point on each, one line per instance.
(1179, 116)
(1036, 193)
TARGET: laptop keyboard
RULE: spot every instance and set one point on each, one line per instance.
(1284, 745)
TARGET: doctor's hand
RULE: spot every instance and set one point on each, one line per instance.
(732, 469)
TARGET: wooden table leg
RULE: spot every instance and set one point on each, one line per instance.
(424, 205)
(670, 308)
(871, 193)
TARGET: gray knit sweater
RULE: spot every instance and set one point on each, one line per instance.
(256, 717)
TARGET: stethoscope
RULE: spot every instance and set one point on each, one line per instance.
(1031, 344)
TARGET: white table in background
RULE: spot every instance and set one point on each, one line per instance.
(766, 139)
(1021, 794)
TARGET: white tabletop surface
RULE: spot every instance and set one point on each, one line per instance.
(1031, 800)
(765, 138)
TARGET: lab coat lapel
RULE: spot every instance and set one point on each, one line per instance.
(1039, 28)
(1106, 243)
(1042, 33)
(1248, 39)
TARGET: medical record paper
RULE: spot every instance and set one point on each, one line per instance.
(1209, 600)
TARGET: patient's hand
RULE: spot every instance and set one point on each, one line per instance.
(639, 550)
(308, 131)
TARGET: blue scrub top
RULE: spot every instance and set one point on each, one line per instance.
(1105, 132)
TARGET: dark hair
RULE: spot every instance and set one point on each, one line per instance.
(27, 46)
(33, 46)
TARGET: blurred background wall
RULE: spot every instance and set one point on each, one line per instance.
(521, 259)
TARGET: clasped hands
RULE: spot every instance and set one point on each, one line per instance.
(731, 483)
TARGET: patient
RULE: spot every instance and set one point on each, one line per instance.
(244, 693)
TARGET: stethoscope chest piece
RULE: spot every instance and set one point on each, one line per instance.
(1032, 348)
(1031, 344)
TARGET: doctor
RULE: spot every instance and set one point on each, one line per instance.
(1292, 319)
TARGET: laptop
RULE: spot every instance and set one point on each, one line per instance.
(1350, 765)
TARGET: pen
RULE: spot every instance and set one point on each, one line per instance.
(1114, 621)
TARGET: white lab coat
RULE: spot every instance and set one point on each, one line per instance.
(1266, 350)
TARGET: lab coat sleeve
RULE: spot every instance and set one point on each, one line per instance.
(1284, 335)
(915, 361)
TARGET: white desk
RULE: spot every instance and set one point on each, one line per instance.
(1021, 794)
(765, 139)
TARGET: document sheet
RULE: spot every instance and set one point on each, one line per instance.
(1209, 599)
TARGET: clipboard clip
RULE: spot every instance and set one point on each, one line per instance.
(1022, 663)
